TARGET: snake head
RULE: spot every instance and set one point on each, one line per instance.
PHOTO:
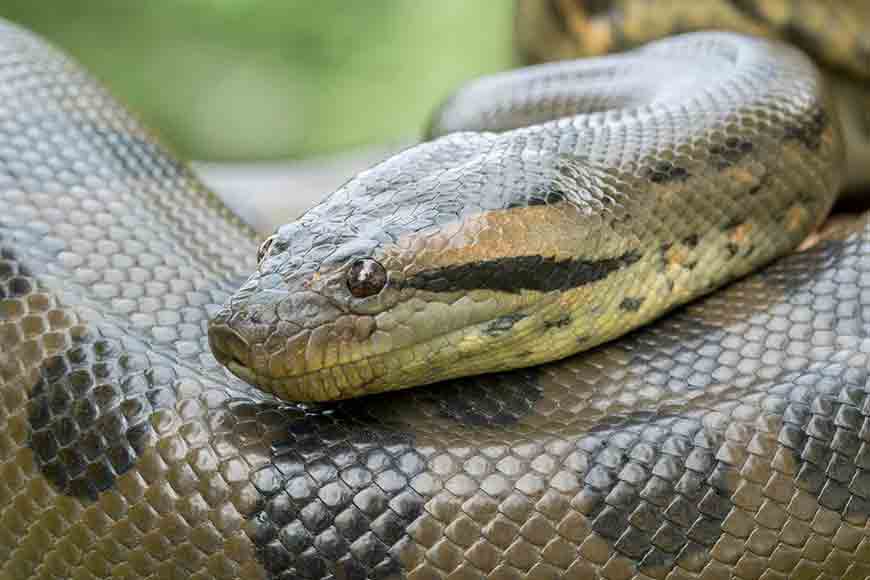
(291, 325)
(457, 257)
(410, 274)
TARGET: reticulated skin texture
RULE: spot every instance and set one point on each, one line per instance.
(562, 206)
(727, 440)
(833, 33)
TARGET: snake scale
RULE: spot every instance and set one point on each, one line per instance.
(730, 439)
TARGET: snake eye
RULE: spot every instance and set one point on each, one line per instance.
(264, 248)
(366, 278)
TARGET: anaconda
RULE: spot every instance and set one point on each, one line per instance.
(567, 204)
(725, 440)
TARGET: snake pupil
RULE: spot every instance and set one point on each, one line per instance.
(366, 278)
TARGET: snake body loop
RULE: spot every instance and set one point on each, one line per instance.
(567, 204)
(728, 439)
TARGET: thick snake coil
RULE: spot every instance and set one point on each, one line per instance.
(730, 439)
(615, 189)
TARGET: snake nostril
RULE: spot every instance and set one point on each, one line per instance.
(228, 346)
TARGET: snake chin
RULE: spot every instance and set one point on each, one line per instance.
(375, 360)
(231, 350)
(241, 371)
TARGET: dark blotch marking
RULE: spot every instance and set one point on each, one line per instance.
(809, 134)
(16, 279)
(335, 499)
(729, 153)
(691, 241)
(749, 8)
(18, 286)
(665, 172)
(650, 489)
(733, 223)
(806, 198)
(799, 35)
(496, 399)
(760, 185)
(631, 304)
(89, 415)
(549, 197)
(560, 322)
(596, 8)
(502, 324)
(88, 412)
(822, 434)
(732, 248)
(519, 273)
(671, 496)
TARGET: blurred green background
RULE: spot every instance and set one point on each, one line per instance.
(278, 79)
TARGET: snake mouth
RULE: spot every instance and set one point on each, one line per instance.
(241, 371)
(231, 350)
(468, 348)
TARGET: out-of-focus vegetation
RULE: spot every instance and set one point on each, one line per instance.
(267, 79)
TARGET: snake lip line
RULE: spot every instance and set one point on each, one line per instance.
(234, 364)
(241, 371)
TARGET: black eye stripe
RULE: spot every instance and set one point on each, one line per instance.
(516, 273)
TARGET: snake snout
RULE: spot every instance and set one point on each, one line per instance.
(228, 347)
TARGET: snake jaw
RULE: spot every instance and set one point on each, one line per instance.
(228, 346)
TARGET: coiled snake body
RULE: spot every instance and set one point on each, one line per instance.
(726, 440)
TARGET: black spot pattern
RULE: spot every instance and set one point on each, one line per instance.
(501, 399)
(503, 324)
(665, 172)
(730, 152)
(748, 7)
(89, 426)
(810, 134)
(560, 322)
(598, 7)
(336, 501)
(727, 440)
(548, 197)
(691, 241)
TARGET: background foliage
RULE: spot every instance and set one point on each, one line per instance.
(272, 79)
